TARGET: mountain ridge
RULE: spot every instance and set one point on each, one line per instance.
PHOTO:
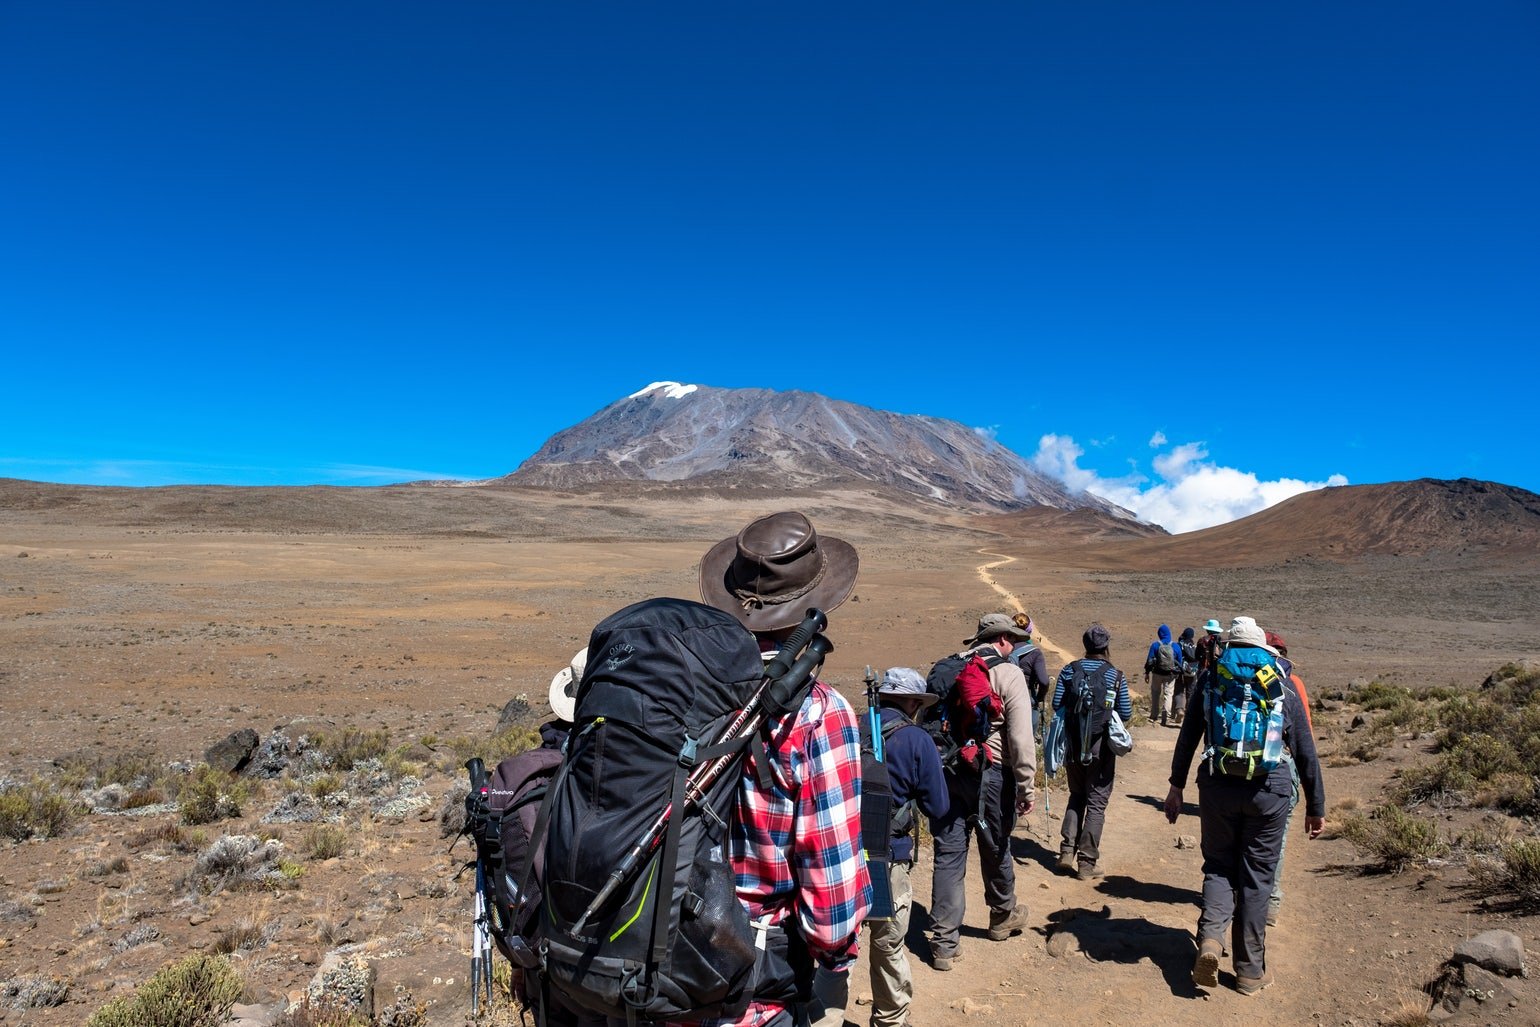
(674, 433)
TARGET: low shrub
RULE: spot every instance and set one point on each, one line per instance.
(195, 992)
(243, 936)
(352, 745)
(1480, 770)
(323, 785)
(1514, 873)
(35, 809)
(492, 750)
(209, 795)
(325, 841)
(34, 992)
(240, 862)
(95, 770)
(1394, 838)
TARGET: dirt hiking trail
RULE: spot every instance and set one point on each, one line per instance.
(1119, 950)
(1016, 605)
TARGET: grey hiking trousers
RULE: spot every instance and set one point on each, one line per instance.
(1243, 827)
(985, 807)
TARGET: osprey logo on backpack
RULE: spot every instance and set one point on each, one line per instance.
(1244, 707)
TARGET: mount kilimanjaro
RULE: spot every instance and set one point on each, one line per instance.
(699, 435)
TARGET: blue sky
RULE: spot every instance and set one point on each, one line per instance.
(1176, 252)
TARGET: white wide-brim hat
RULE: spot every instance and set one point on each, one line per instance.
(564, 687)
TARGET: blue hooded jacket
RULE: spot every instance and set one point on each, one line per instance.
(1165, 637)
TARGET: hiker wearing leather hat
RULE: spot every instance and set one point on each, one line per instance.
(774, 570)
(796, 836)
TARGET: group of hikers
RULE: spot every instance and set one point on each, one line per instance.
(716, 825)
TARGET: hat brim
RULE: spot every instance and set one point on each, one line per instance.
(839, 579)
(1255, 645)
(927, 699)
(562, 704)
(1016, 635)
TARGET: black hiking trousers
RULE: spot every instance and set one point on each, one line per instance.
(1243, 828)
(1085, 811)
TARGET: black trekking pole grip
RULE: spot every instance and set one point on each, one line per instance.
(478, 772)
(784, 690)
(814, 622)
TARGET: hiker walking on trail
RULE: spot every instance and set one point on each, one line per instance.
(1161, 668)
(796, 829)
(1275, 904)
(1186, 677)
(1209, 645)
(991, 777)
(1245, 712)
(1029, 658)
(1089, 689)
(919, 787)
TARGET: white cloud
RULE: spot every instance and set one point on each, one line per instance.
(1157, 440)
(1193, 493)
(151, 473)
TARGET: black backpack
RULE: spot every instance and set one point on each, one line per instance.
(1189, 662)
(671, 941)
(1088, 699)
(939, 682)
(503, 824)
(881, 820)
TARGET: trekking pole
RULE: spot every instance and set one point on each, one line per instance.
(874, 719)
(481, 939)
(773, 693)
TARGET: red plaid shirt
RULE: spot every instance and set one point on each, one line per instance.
(797, 849)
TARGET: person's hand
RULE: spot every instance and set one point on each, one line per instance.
(1314, 826)
(1025, 805)
(1173, 804)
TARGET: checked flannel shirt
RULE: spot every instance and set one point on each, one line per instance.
(797, 850)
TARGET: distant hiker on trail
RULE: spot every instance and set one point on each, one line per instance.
(1029, 658)
(1088, 689)
(919, 787)
(796, 838)
(1245, 713)
(1186, 677)
(1161, 668)
(1209, 645)
(1275, 904)
(991, 778)
(563, 697)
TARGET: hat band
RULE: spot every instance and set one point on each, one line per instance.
(752, 600)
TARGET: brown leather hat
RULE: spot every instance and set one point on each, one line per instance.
(775, 569)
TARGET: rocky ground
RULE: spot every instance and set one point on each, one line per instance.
(374, 660)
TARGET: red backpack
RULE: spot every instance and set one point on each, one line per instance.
(972, 710)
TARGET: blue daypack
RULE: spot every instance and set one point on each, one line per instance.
(1243, 703)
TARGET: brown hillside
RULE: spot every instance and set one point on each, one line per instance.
(1474, 521)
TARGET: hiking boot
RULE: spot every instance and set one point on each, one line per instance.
(943, 963)
(1273, 905)
(1002, 927)
(1066, 863)
(1090, 872)
(1205, 969)
(1252, 985)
